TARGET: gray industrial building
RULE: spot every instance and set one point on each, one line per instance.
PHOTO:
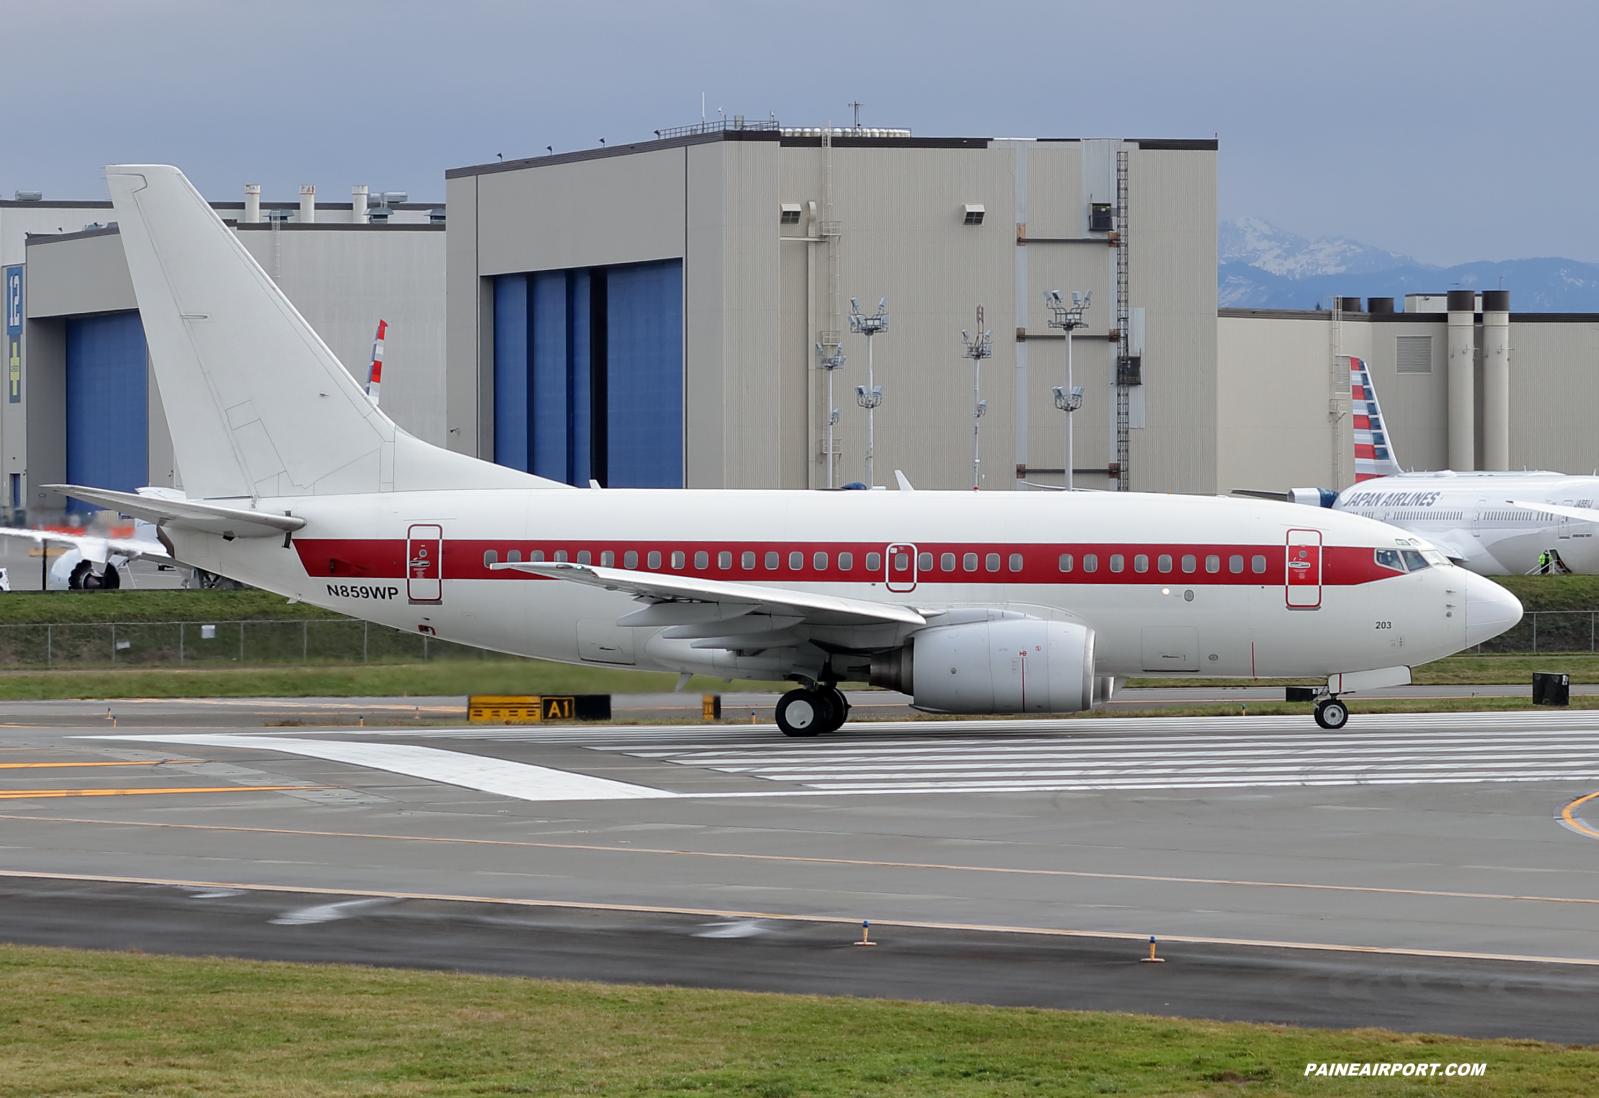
(82, 404)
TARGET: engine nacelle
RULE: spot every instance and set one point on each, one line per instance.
(1014, 665)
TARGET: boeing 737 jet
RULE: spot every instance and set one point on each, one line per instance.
(1494, 523)
(985, 602)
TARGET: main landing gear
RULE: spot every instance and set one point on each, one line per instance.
(810, 711)
(1331, 714)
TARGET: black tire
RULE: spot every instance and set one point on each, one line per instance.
(110, 579)
(840, 706)
(1332, 714)
(803, 713)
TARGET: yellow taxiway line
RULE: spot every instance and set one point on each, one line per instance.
(836, 920)
(1571, 821)
(30, 794)
(801, 859)
(36, 765)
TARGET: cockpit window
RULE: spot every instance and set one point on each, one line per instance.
(1414, 560)
(1390, 558)
(1435, 558)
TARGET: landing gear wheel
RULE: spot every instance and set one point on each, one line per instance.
(1332, 714)
(840, 706)
(803, 713)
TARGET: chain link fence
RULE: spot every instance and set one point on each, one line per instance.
(1550, 631)
(222, 644)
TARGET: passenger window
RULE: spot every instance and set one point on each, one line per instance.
(1213, 563)
(536, 556)
(583, 557)
(1090, 562)
(1015, 562)
(819, 561)
(1235, 563)
(1414, 560)
(724, 560)
(748, 559)
(654, 559)
(771, 561)
(1141, 563)
(1065, 562)
(796, 561)
(607, 559)
(1189, 562)
(678, 558)
(874, 561)
(1258, 564)
(1164, 563)
(947, 562)
(924, 562)
(490, 557)
(702, 560)
(991, 562)
(846, 561)
(560, 556)
(969, 562)
(514, 556)
(630, 559)
(1117, 562)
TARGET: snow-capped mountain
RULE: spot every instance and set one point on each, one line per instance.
(1261, 244)
(1260, 266)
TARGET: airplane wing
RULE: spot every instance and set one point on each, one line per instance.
(93, 548)
(186, 514)
(1581, 514)
(734, 599)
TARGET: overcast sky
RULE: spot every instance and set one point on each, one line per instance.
(1447, 131)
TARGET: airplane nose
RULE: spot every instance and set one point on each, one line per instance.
(1490, 609)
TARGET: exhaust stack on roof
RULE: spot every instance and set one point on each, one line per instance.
(308, 203)
(252, 203)
(358, 204)
(1496, 379)
(1462, 382)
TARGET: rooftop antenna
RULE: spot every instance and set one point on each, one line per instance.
(857, 104)
(830, 362)
(1068, 397)
(978, 347)
(868, 396)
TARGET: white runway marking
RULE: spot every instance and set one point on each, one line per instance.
(508, 779)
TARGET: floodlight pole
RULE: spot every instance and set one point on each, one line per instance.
(978, 347)
(868, 396)
(1068, 398)
(829, 363)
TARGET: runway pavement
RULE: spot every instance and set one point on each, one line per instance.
(1422, 871)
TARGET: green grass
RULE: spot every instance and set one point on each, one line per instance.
(79, 607)
(1553, 592)
(80, 1023)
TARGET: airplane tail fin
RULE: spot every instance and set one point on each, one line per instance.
(1374, 456)
(257, 403)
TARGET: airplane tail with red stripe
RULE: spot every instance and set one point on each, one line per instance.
(1374, 455)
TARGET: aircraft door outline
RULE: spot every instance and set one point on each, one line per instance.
(424, 563)
(1302, 578)
(899, 567)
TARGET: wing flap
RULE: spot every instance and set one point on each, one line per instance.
(812, 608)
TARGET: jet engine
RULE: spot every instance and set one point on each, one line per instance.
(1013, 665)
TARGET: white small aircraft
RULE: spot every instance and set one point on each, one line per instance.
(972, 602)
(93, 562)
(1494, 523)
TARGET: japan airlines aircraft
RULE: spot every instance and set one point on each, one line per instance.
(972, 602)
(75, 569)
(1494, 523)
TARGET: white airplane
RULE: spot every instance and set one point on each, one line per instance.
(986, 602)
(93, 562)
(1494, 523)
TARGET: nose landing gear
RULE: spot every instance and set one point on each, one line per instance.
(811, 711)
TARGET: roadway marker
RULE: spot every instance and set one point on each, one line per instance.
(866, 929)
(1152, 957)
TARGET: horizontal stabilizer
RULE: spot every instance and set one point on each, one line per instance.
(815, 609)
(209, 518)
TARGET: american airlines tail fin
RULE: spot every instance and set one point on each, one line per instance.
(257, 403)
(1374, 456)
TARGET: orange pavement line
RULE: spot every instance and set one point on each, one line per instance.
(1574, 823)
(29, 766)
(790, 858)
(29, 794)
(835, 920)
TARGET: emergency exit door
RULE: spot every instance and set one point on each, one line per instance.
(1302, 583)
(900, 562)
(424, 564)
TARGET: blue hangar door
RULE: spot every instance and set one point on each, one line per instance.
(108, 436)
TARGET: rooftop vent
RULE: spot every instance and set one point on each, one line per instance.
(30, 196)
(436, 215)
